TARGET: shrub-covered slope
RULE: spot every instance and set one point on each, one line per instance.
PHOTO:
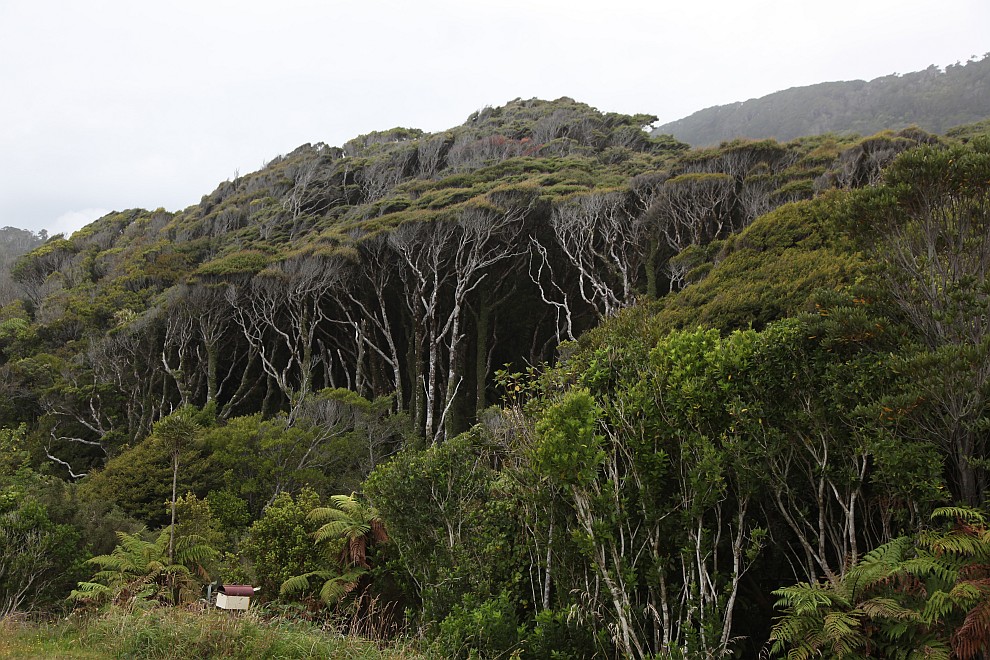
(399, 264)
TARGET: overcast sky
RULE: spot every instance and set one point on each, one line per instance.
(114, 104)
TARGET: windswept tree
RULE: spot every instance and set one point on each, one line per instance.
(423, 249)
(445, 262)
(200, 348)
(488, 236)
(282, 315)
(693, 209)
(935, 250)
(366, 305)
(605, 244)
(108, 396)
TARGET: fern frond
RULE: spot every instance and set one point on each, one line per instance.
(935, 650)
(90, 591)
(957, 542)
(786, 629)
(113, 562)
(887, 608)
(796, 636)
(804, 598)
(865, 577)
(842, 630)
(959, 513)
(349, 504)
(967, 592)
(891, 552)
(339, 586)
(926, 565)
(295, 584)
(176, 569)
(332, 529)
(972, 638)
(937, 607)
(194, 554)
(133, 543)
(323, 514)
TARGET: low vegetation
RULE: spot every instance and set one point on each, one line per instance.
(176, 633)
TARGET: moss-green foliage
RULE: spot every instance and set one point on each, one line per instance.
(246, 262)
(768, 271)
(317, 197)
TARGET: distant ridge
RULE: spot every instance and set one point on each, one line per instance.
(934, 99)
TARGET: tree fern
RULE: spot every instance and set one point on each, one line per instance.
(138, 572)
(339, 586)
(357, 526)
(356, 523)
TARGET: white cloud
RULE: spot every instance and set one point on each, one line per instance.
(122, 104)
(73, 220)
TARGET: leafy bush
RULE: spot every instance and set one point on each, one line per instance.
(486, 629)
(555, 636)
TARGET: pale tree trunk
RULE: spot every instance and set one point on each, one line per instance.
(171, 531)
(484, 316)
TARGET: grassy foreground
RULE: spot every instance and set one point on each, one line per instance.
(168, 633)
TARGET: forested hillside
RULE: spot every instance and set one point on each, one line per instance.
(541, 383)
(14, 243)
(934, 99)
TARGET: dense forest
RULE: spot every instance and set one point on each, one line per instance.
(934, 99)
(540, 385)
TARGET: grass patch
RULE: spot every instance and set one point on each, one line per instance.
(22, 639)
(167, 633)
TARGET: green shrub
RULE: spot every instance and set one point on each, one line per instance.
(486, 629)
(554, 636)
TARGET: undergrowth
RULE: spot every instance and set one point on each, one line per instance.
(169, 633)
